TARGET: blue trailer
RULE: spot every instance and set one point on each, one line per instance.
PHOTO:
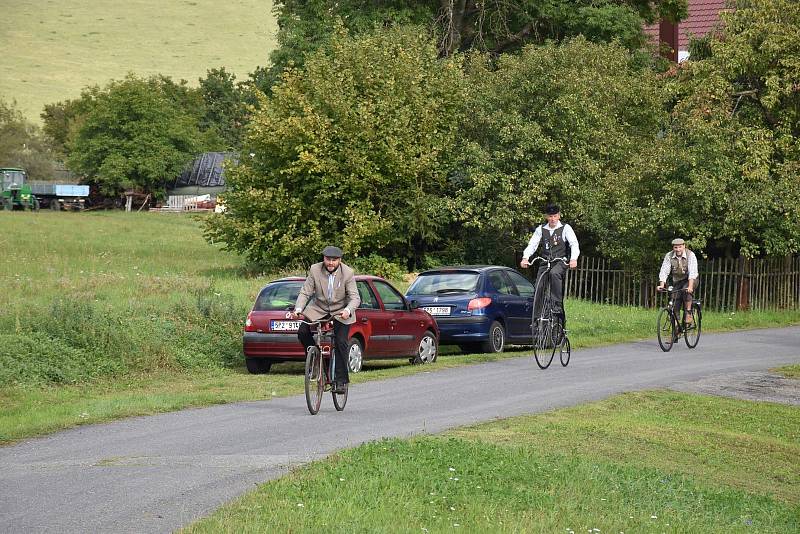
(60, 196)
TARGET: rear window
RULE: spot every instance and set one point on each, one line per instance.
(444, 283)
(280, 296)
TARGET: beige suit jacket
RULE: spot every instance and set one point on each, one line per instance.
(313, 301)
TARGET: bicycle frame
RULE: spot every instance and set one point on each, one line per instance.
(549, 336)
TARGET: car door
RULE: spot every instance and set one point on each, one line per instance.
(375, 321)
(402, 337)
(506, 298)
(524, 290)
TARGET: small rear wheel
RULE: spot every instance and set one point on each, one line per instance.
(314, 379)
(691, 332)
(566, 352)
(665, 329)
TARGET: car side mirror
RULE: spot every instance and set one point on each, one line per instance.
(413, 304)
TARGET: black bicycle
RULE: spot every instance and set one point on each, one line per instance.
(548, 332)
(670, 327)
(319, 372)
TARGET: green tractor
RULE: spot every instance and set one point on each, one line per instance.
(15, 194)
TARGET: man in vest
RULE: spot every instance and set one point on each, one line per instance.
(330, 289)
(556, 240)
(681, 264)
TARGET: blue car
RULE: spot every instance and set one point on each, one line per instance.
(477, 307)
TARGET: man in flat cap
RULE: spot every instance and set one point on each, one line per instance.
(556, 240)
(681, 265)
(330, 289)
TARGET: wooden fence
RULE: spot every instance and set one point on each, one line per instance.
(725, 284)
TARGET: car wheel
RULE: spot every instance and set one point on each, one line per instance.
(355, 356)
(257, 366)
(427, 349)
(497, 339)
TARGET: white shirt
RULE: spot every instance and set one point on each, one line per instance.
(666, 265)
(569, 236)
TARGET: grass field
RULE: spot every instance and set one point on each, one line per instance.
(107, 315)
(639, 462)
(50, 50)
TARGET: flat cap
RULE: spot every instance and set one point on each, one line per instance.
(678, 241)
(332, 252)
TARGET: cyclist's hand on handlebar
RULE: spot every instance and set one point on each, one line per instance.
(345, 314)
(524, 263)
(573, 264)
(294, 316)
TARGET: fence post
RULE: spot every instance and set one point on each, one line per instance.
(743, 291)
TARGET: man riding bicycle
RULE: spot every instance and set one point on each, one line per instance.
(681, 264)
(329, 289)
(556, 240)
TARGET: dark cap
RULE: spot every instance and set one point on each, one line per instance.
(332, 252)
(552, 209)
(678, 241)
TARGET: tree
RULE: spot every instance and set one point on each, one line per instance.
(737, 122)
(560, 123)
(462, 25)
(355, 149)
(134, 136)
(225, 109)
(23, 145)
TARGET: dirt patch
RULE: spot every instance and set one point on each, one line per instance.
(748, 385)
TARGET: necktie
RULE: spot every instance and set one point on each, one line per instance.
(331, 280)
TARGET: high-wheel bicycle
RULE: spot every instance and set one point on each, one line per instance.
(669, 326)
(547, 330)
(319, 370)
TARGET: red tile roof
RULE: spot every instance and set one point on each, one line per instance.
(703, 18)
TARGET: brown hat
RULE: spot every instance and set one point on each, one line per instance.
(678, 241)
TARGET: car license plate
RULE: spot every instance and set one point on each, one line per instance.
(437, 310)
(285, 326)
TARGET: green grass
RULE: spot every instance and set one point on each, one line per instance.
(107, 315)
(50, 50)
(638, 462)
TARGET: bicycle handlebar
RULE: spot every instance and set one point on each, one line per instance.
(310, 323)
(670, 289)
(545, 260)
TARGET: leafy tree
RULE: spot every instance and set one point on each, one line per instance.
(462, 25)
(354, 149)
(734, 183)
(23, 145)
(135, 136)
(225, 109)
(559, 122)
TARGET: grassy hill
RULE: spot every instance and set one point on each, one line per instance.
(50, 50)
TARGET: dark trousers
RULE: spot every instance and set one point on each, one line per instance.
(684, 300)
(556, 287)
(341, 334)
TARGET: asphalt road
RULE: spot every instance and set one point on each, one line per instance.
(158, 473)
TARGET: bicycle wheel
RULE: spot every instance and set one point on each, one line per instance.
(315, 381)
(566, 352)
(340, 399)
(691, 333)
(542, 325)
(665, 329)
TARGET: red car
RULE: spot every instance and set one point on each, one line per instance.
(386, 326)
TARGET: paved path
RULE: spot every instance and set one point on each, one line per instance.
(158, 473)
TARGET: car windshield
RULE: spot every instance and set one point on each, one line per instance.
(278, 296)
(444, 283)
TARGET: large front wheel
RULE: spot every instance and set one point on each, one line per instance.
(315, 381)
(665, 326)
(691, 333)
